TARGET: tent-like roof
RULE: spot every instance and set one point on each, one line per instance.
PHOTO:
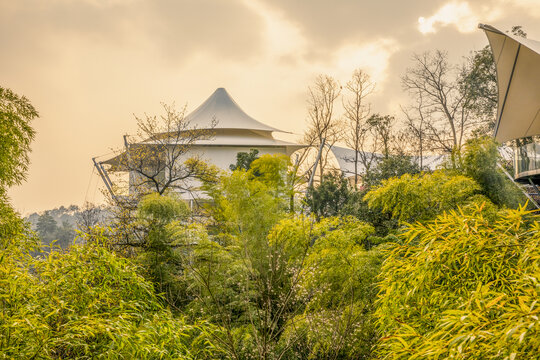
(233, 128)
(221, 107)
(346, 157)
(518, 78)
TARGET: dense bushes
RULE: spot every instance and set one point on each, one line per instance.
(88, 303)
(421, 197)
(463, 287)
(281, 285)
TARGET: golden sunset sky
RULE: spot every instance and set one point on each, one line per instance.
(89, 65)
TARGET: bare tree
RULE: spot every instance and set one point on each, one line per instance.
(89, 216)
(356, 115)
(322, 123)
(417, 119)
(451, 117)
(89, 219)
(382, 128)
(157, 158)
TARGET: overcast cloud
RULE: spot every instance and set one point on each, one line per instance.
(89, 65)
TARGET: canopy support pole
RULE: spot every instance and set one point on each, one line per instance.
(520, 188)
(126, 144)
(105, 178)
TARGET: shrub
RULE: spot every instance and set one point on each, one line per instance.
(463, 287)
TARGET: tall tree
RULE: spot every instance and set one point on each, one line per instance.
(329, 197)
(478, 80)
(47, 228)
(416, 122)
(356, 115)
(16, 134)
(322, 122)
(382, 128)
(443, 99)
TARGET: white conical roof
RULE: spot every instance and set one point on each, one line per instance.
(221, 107)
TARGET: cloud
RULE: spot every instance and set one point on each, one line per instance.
(530, 6)
(329, 25)
(371, 57)
(170, 29)
(282, 38)
(465, 16)
(458, 14)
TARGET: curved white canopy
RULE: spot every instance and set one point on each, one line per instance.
(221, 107)
(346, 158)
(518, 78)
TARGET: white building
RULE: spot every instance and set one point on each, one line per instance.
(232, 130)
(346, 158)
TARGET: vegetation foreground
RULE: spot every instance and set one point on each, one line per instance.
(409, 264)
(262, 282)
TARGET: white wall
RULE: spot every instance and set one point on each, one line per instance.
(220, 156)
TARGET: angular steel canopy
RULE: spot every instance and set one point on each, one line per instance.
(518, 77)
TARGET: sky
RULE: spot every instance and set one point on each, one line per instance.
(89, 66)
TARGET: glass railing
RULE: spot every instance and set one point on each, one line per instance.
(527, 159)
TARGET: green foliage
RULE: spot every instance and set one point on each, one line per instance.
(463, 287)
(478, 80)
(16, 134)
(164, 237)
(16, 113)
(49, 232)
(275, 283)
(334, 197)
(160, 210)
(422, 197)
(389, 167)
(335, 263)
(88, 303)
(15, 233)
(336, 287)
(244, 160)
(358, 207)
(241, 198)
(329, 197)
(479, 161)
(272, 170)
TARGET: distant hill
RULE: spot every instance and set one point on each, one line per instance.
(60, 215)
(59, 224)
